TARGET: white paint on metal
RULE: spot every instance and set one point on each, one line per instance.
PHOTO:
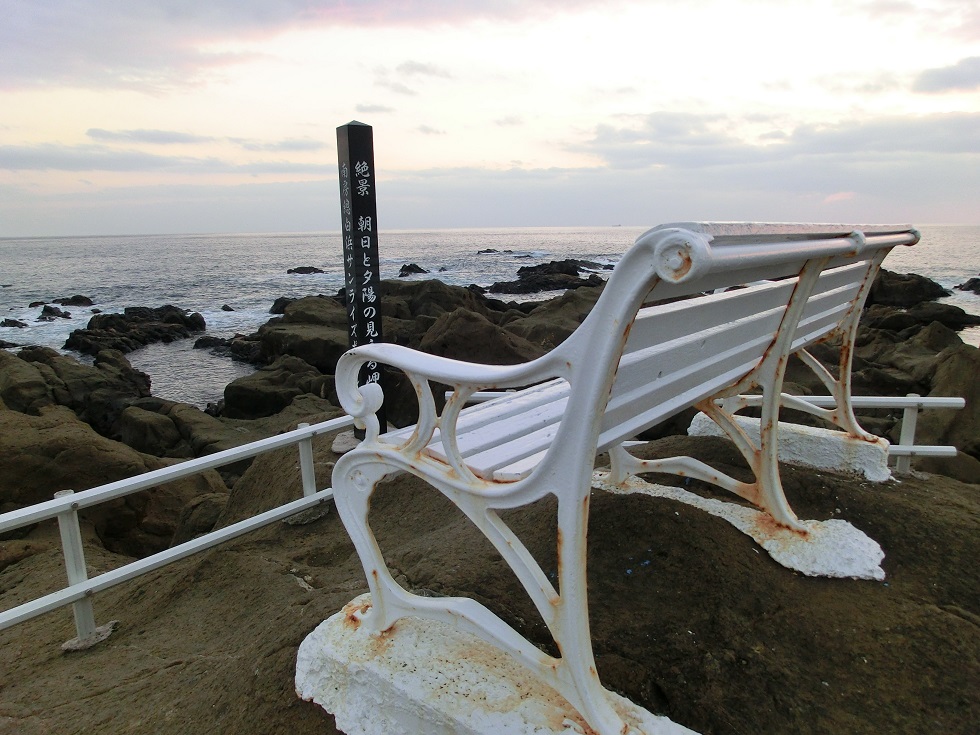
(74, 553)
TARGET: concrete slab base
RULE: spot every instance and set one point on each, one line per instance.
(427, 677)
(809, 446)
(832, 548)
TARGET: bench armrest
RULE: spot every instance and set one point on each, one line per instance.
(363, 402)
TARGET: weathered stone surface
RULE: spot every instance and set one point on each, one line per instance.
(465, 335)
(52, 451)
(273, 387)
(954, 373)
(151, 433)
(550, 323)
(199, 516)
(39, 376)
(948, 315)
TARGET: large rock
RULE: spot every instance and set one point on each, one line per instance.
(136, 327)
(466, 335)
(52, 451)
(908, 289)
(39, 376)
(553, 321)
(270, 389)
(955, 372)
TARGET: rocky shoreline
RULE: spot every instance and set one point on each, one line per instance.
(67, 425)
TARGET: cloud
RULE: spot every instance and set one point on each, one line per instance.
(291, 145)
(51, 157)
(396, 87)
(156, 46)
(963, 76)
(380, 109)
(155, 137)
(427, 130)
(695, 140)
(416, 68)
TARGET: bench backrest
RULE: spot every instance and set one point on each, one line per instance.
(640, 365)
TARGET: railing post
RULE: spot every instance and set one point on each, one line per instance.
(71, 546)
(306, 469)
(909, 418)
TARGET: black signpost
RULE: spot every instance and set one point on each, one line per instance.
(359, 230)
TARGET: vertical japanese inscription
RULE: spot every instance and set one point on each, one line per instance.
(359, 231)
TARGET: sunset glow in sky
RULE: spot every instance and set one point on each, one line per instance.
(220, 116)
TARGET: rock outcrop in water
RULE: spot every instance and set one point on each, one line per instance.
(136, 327)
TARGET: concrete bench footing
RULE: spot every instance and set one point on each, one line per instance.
(426, 676)
(808, 446)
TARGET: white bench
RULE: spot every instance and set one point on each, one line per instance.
(758, 293)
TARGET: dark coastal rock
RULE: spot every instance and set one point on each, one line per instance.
(35, 304)
(466, 335)
(551, 322)
(280, 304)
(553, 276)
(954, 373)
(136, 327)
(38, 377)
(973, 284)
(199, 516)
(15, 323)
(54, 450)
(225, 307)
(240, 347)
(150, 432)
(270, 389)
(5, 345)
(946, 314)
(908, 321)
(304, 270)
(908, 289)
(76, 300)
(50, 313)
(411, 269)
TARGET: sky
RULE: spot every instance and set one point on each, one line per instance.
(121, 117)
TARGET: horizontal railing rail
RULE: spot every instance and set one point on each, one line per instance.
(66, 504)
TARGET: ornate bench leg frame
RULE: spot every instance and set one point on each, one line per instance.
(767, 491)
(566, 615)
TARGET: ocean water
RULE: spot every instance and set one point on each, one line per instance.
(247, 272)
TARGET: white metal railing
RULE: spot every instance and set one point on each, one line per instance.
(911, 403)
(66, 504)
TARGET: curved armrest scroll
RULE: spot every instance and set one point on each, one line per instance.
(362, 402)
